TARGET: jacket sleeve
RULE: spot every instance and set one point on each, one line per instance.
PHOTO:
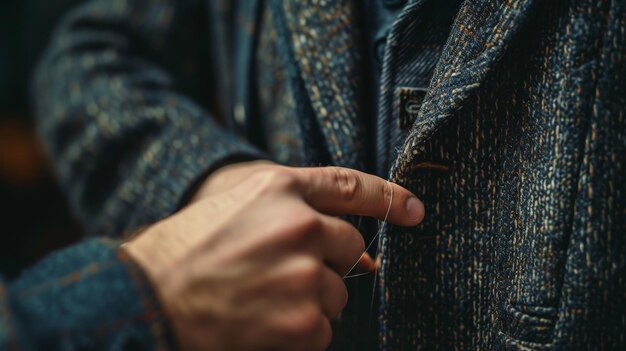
(89, 296)
(122, 97)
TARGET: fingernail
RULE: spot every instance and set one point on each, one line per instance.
(368, 262)
(415, 209)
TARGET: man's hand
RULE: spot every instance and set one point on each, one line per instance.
(230, 176)
(259, 264)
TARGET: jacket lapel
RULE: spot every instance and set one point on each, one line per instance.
(323, 47)
(479, 37)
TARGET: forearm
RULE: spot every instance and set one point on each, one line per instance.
(89, 296)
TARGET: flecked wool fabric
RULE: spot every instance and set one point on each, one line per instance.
(88, 297)
(518, 149)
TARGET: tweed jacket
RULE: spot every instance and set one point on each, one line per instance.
(518, 148)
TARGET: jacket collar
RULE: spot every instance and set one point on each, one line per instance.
(323, 39)
(481, 34)
(324, 43)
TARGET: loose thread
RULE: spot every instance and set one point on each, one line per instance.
(356, 275)
(380, 229)
(381, 226)
(371, 311)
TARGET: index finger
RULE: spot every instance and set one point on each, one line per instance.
(343, 191)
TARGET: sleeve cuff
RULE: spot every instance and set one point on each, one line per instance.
(161, 183)
(89, 296)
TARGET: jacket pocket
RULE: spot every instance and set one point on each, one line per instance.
(524, 327)
(537, 209)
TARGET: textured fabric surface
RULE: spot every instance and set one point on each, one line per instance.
(523, 247)
(518, 148)
(126, 141)
(88, 297)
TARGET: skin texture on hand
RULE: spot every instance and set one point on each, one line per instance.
(256, 260)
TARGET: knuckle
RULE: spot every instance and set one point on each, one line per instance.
(303, 225)
(272, 179)
(307, 322)
(300, 225)
(280, 178)
(312, 272)
(348, 183)
(309, 221)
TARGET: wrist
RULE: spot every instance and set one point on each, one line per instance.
(147, 250)
(228, 176)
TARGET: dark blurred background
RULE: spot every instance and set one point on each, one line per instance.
(34, 217)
